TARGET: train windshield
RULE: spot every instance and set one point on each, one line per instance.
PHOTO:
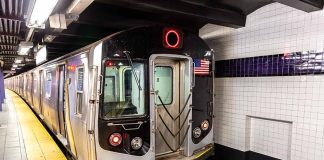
(123, 90)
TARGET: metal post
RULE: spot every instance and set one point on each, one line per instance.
(1, 89)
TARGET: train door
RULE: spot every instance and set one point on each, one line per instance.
(41, 90)
(61, 104)
(172, 99)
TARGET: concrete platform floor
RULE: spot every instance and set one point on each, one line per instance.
(22, 135)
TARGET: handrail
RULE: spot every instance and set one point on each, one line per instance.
(67, 118)
(133, 71)
(139, 123)
(193, 75)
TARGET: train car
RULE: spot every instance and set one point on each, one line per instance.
(144, 93)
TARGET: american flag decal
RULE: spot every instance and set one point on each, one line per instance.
(201, 66)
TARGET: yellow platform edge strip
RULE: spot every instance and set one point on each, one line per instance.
(38, 142)
(203, 153)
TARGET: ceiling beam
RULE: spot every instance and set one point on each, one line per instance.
(70, 35)
(8, 50)
(14, 55)
(11, 18)
(183, 9)
(304, 5)
(62, 45)
(73, 40)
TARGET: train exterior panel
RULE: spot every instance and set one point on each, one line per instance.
(144, 93)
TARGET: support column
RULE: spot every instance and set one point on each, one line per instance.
(2, 90)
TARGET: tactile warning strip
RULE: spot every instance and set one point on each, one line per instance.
(38, 142)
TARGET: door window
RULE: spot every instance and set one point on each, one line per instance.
(164, 84)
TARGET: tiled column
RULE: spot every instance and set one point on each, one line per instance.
(2, 92)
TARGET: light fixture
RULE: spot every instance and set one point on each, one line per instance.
(41, 55)
(172, 38)
(20, 64)
(24, 48)
(115, 139)
(197, 132)
(136, 143)
(18, 59)
(204, 125)
(39, 12)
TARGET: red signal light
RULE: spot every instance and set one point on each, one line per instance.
(109, 63)
(115, 139)
(172, 38)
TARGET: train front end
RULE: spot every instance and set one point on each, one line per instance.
(155, 96)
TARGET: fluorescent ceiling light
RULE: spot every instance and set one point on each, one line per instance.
(24, 48)
(18, 61)
(23, 51)
(40, 13)
(41, 55)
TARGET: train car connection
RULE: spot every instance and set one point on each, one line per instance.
(144, 93)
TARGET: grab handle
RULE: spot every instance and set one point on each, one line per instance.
(101, 84)
(193, 75)
(139, 123)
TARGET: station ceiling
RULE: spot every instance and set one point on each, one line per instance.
(90, 20)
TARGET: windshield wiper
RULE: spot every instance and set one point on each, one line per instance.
(131, 63)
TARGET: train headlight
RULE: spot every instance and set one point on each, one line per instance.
(115, 139)
(136, 143)
(197, 132)
(204, 125)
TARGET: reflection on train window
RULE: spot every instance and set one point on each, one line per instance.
(123, 90)
(35, 84)
(80, 78)
(163, 84)
(48, 85)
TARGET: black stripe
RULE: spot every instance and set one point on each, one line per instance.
(289, 64)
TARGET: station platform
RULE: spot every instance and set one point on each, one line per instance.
(22, 135)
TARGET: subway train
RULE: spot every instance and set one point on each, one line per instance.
(143, 93)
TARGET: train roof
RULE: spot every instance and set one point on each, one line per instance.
(111, 37)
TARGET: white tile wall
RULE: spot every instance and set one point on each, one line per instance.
(298, 99)
(270, 137)
(272, 29)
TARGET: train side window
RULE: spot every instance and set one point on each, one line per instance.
(80, 78)
(48, 85)
(164, 84)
